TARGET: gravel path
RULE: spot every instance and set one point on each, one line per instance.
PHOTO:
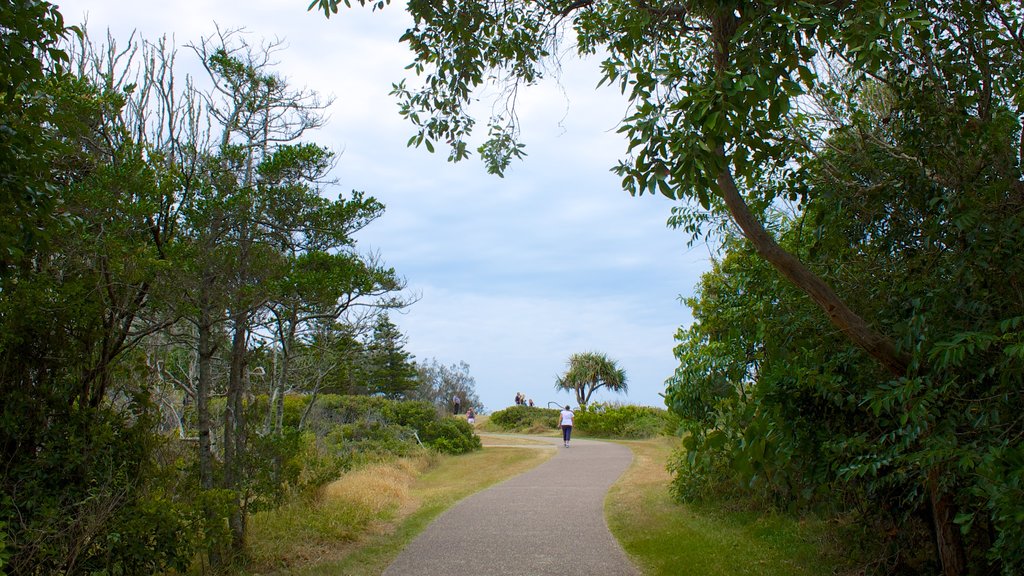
(548, 521)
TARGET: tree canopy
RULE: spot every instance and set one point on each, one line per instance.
(588, 372)
(890, 128)
(168, 257)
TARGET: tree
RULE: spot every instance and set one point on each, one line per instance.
(390, 370)
(439, 383)
(587, 372)
(720, 110)
(30, 54)
(327, 280)
(76, 301)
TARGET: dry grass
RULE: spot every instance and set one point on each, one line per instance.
(362, 521)
(360, 502)
(506, 440)
(378, 488)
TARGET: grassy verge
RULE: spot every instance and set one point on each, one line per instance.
(667, 538)
(362, 521)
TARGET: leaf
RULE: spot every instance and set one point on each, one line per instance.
(702, 197)
(716, 440)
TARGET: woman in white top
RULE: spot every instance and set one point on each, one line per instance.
(565, 421)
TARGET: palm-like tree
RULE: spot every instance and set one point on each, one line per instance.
(589, 371)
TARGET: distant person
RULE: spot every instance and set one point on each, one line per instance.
(565, 421)
(458, 404)
(470, 416)
(531, 402)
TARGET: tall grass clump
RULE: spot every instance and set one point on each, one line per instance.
(314, 528)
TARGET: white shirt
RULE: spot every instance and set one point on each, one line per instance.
(566, 419)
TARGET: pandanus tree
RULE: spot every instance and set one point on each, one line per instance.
(587, 372)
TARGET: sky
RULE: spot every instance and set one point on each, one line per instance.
(513, 274)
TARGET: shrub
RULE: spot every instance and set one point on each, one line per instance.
(451, 436)
(374, 426)
(89, 491)
(624, 421)
(523, 418)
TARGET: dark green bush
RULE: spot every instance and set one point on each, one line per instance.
(371, 439)
(451, 436)
(377, 425)
(523, 418)
(90, 494)
(624, 421)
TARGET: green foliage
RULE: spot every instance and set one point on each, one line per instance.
(92, 500)
(587, 372)
(525, 418)
(624, 421)
(30, 53)
(390, 370)
(379, 426)
(781, 410)
(451, 436)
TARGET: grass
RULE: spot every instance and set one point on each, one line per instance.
(511, 440)
(665, 537)
(359, 523)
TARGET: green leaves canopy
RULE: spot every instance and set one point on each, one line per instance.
(588, 372)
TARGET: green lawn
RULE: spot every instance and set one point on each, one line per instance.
(667, 538)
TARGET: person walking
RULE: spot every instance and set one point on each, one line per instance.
(457, 401)
(565, 421)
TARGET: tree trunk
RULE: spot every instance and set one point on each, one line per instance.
(839, 314)
(205, 350)
(856, 329)
(287, 347)
(203, 407)
(234, 427)
(949, 545)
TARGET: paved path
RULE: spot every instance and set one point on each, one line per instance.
(548, 521)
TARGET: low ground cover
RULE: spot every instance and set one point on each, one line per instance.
(358, 524)
(668, 538)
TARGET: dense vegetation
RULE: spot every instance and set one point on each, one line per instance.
(181, 300)
(598, 420)
(625, 421)
(525, 419)
(861, 344)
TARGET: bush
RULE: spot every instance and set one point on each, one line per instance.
(525, 418)
(451, 436)
(625, 421)
(373, 425)
(371, 440)
(91, 492)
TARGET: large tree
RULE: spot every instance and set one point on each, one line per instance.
(438, 384)
(76, 298)
(721, 113)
